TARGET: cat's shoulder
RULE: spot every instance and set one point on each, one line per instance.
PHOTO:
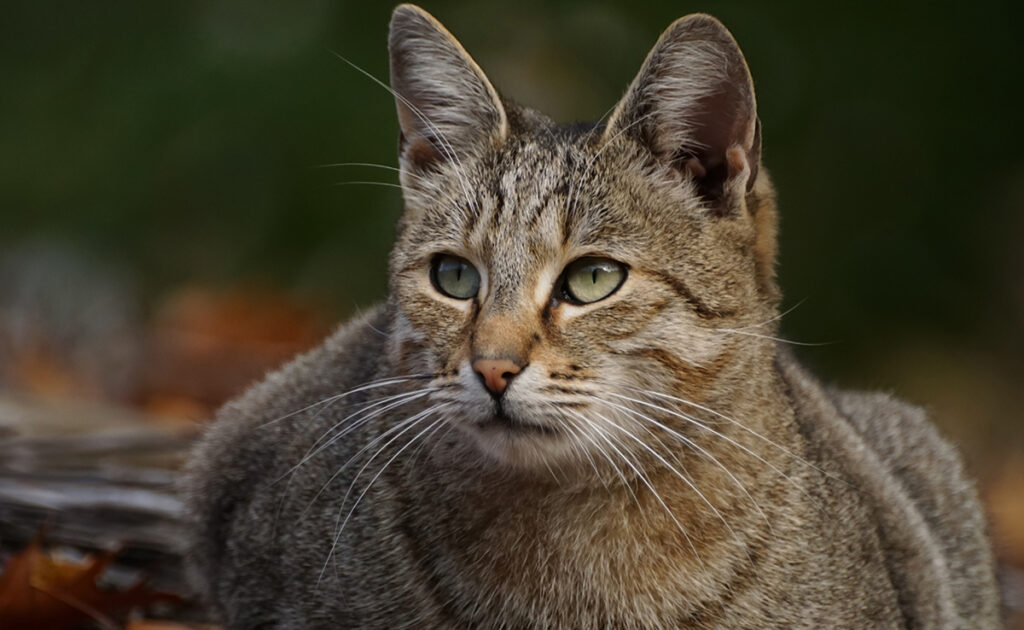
(873, 426)
(897, 430)
(239, 452)
(927, 466)
(930, 472)
(926, 510)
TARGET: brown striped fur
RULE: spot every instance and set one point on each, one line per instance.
(658, 461)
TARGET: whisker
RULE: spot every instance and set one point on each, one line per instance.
(399, 427)
(367, 183)
(367, 164)
(576, 168)
(643, 478)
(692, 444)
(447, 146)
(622, 477)
(388, 402)
(733, 421)
(685, 479)
(384, 382)
(775, 318)
(590, 163)
(579, 449)
(737, 331)
(728, 439)
(423, 444)
(419, 417)
(423, 180)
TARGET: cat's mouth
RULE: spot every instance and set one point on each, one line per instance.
(501, 421)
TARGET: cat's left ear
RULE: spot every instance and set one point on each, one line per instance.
(692, 105)
(446, 106)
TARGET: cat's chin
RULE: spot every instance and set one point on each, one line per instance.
(504, 423)
(517, 441)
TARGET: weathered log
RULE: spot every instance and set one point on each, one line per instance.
(99, 478)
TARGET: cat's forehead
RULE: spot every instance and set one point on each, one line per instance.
(547, 194)
(546, 180)
(543, 193)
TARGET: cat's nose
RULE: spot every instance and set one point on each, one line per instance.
(496, 373)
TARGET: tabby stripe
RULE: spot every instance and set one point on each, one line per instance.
(499, 206)
(566, 226)
(699, 306)
(426, 561)
(473, 217)
(693, 379)
(564, 390)
(714, 609)
(563, 376)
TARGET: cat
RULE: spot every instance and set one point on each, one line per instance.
(572, 411)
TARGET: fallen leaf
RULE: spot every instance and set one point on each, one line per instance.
(40, 592)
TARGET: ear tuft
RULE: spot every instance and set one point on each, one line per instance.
(446, 106)
(692, 105)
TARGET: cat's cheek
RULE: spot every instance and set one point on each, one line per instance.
(443, 321)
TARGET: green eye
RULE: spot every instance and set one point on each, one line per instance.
(454, 277)
(591, 279)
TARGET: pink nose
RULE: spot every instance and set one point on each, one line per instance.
(496, 373)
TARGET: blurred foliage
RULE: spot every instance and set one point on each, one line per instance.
(185, 142)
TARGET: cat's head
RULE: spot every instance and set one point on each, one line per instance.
(550, 278)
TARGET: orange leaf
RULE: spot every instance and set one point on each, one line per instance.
(39, 592)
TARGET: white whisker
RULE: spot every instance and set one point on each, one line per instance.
(388, 402)
(737, 331)
(448, 149)
(733, 421)
(414, 421)
(775, 318)
(384, 382)
(643, 478)
(692, 444)
(728, 439)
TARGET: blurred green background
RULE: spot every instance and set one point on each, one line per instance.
(181, 143)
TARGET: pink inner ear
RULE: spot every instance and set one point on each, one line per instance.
(695, 168)
(722, 121)
(422, 153)
(736, 158)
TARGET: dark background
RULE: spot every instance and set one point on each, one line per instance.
(157, 157)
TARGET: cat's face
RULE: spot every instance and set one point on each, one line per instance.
(548, 278)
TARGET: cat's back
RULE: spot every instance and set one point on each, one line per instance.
(929, 520)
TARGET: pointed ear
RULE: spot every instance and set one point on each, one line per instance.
(446, 106)
(692, 105)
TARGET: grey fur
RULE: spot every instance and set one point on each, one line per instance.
(682, 469)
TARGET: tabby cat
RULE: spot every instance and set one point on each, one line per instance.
(572, 410)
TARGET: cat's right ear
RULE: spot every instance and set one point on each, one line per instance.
(446, 106)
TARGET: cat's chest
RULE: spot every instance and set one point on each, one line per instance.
(617, 553)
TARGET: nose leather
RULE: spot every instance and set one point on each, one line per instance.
(496, 373)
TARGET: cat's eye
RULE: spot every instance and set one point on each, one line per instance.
(455, 277)
(591, 279)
